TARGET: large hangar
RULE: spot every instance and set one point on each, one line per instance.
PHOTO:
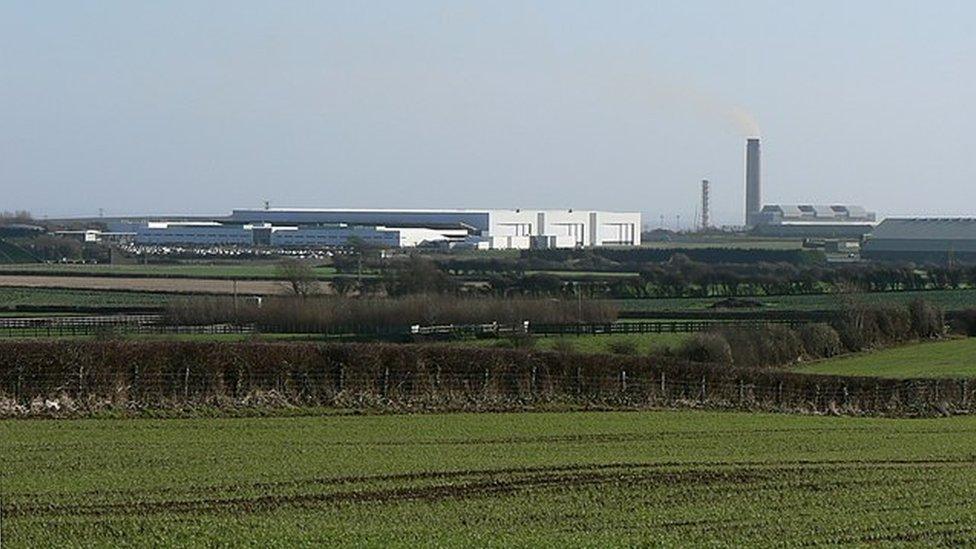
(923, 240)
(480, 229)
(486, 229)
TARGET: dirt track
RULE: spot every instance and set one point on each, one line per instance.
(167, 285)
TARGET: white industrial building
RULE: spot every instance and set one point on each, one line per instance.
(480, 229)
(485, 229)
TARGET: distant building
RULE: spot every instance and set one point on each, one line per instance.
(814, 221)
(923, 240)
(481, 229)
(16, 230)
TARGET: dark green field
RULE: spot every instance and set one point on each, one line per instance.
(53, 297)
(554, 479)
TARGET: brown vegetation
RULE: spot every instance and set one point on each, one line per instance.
(323, 313)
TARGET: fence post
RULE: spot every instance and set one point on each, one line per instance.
(779, 394)
(532, 384)
(703, 393)
(579, 380)
(623, 381)
(20, 381)
(965, 392)
(186, 383)
(386, 381)
(484, 384)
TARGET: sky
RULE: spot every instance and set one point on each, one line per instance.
(139, 107)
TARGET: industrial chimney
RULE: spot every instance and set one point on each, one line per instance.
(753, 180)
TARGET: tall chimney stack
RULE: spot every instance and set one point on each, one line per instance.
(753, 180)
(705, 213)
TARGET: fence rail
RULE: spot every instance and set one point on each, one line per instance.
(153, 325)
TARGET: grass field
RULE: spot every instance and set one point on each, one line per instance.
(947, 299)
(953, 358)
(553, 479)
(264, 271)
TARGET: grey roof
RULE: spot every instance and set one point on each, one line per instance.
(921, 228)
(820, 211)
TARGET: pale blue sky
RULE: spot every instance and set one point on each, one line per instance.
(139, 106)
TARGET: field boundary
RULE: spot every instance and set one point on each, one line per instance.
(57, 378)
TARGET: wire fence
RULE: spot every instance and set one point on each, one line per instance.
(92, 376)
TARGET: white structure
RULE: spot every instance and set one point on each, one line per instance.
(486, 229)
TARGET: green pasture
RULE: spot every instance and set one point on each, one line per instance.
(952, 358)
(581, 479)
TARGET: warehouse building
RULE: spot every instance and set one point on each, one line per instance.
(923, 240)
(481, 229)
(484, 229)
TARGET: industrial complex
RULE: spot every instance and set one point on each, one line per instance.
(478, 229)
(798, 220)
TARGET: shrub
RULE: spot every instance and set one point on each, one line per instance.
(317, 314)
(820, 340)
(706, 347)
(964, 323)
(563, 345)
(627, 347)
(892, 324)
(772, 345)
(927, 320)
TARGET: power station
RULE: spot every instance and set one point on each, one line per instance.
(798, 220)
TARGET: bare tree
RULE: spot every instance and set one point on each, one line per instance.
(298, 277)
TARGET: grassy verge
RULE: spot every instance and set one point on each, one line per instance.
(553, 479)
(953, 358)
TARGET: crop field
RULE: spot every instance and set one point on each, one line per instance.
(536, 479)
(947, 299)
(254, 270)
(146, 284)
(953, 358)
(54, 297)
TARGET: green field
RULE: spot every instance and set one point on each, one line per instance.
(13, 254)
(947, 299)
(51, 297)
(266, 271)
(535, 479)
(953, 358)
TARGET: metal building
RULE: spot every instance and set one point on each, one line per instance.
(923, 240)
